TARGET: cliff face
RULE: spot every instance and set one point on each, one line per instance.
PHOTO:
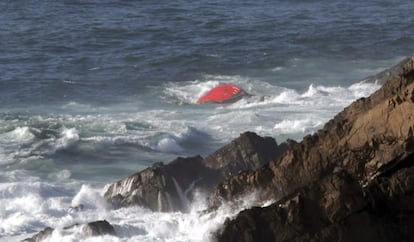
(371, 143)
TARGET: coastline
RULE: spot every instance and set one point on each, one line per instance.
(360, 157)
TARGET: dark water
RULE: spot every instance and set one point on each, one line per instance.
(92, 91)
(113, 49)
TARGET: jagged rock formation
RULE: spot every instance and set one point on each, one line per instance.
(42, 235)
(96, 228)
(387, 74)
(370, 135)
(372, 141)
(171, 187)
(331, 209)
(335, 208)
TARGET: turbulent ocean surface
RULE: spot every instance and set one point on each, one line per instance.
(93, 91)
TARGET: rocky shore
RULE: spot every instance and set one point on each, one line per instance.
(353, 180)
(171, 187)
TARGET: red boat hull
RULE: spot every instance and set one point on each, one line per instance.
(226, 93)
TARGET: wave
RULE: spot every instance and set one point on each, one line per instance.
(297, 126)
(266, 93)
(314, 97)
(116, 141)
(183, 130)
(272, 110)
(188, 93)
(11, 141)
(96, 138)
(28, 207)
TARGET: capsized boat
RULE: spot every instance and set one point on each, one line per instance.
(224, 93)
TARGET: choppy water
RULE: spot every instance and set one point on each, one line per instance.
(92, 91)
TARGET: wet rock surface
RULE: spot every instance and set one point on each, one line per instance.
(96, 228)
(42, 235)
(172, 186)
(332, 209)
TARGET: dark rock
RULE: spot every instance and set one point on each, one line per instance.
(77, 208)
(96, 228)
(371, 135)
(171, 187)
(42, 235)
(331, 209)
(391, 196)
(248, 152)
(162, 187)
(335, 208)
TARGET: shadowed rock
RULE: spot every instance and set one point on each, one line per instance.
(96, 228)
(162, 187)
(335, 208)
(391, 196)
(42, 235)
(171, 187)
(331, 209)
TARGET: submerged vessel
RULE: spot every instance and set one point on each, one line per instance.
(225, 93)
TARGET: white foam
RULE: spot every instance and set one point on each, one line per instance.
(278, 68)
(90, 198)
(168, 144)
(20, 134)
(169, 141)
(28, 206)
(286, 97)
(297, 126)
(363, 89)
(11, 141)
(38, 205)
(185, 203)
(68, 137)
(172, 129)
(191, 92)
(60, 175)
(76, 106)
(138, 224)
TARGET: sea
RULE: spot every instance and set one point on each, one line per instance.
(93, 91)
